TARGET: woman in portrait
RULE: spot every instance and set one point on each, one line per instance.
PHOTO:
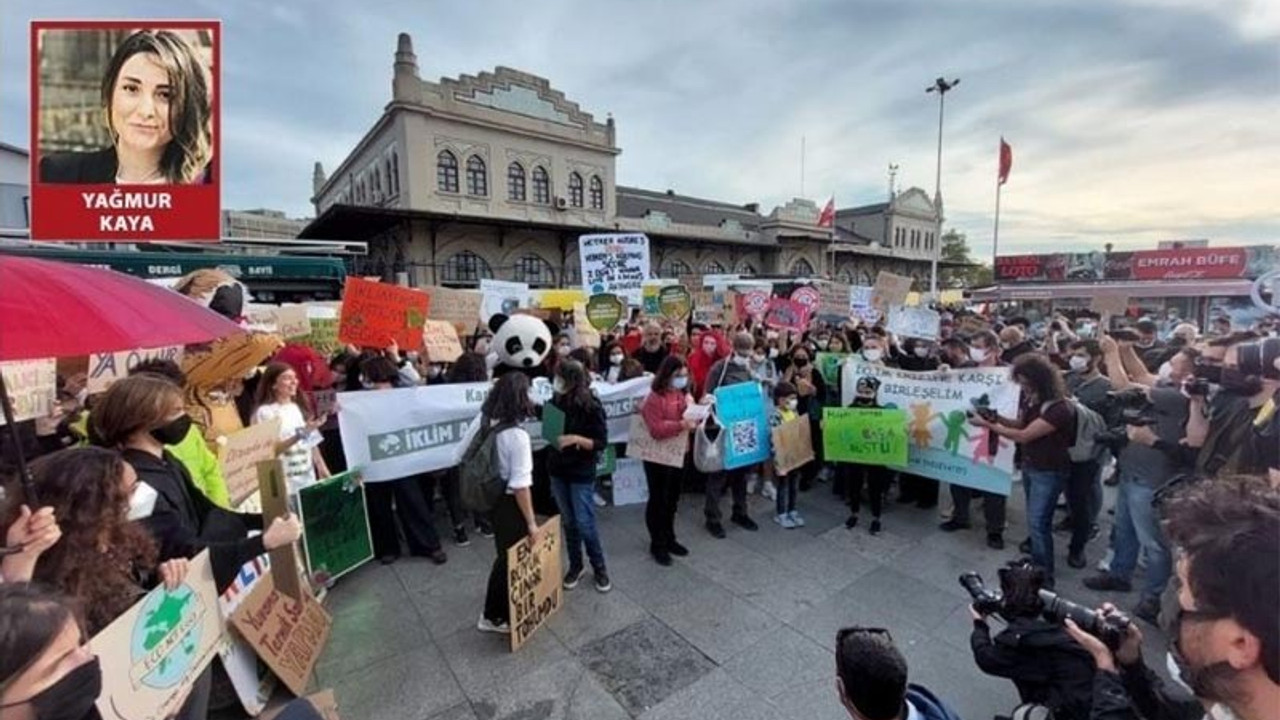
(156, 97)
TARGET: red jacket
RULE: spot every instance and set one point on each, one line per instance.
(700, 363)
(663, 413)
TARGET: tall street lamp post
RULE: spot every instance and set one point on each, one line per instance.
(940, 86)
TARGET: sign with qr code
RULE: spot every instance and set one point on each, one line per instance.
(741, 409)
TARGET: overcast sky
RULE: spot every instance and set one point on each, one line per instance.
(1131, 121)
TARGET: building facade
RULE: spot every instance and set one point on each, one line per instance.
(15, 193)
(497, 175)
(900, 236)
(261, 224)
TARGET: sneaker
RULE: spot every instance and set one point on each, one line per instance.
(1094, 532)
(1076, 560)
(795, 518)
(438, 557)
(662, 557)
(851, 522)
(1104, 565)
(954, 525)
(995, 541)
(1148, 610)
(769, 492)
(744, 522)
(602, 581)
(677, 549)
(572, 578)
(484, 530)
(598, 500)
(486, 625)
(784, 520)
(716, 529)
(753, 484)
(1108, 583)
(875, 526)
(460, 537)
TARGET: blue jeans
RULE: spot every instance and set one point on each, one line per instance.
(578, 518)
(1043, 488)
(1138, 528)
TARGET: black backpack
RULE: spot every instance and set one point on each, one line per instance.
(480, 483)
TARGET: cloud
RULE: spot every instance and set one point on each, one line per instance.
(1131, 121)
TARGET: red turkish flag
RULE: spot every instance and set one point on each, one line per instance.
(1006, 161)
(828, 216)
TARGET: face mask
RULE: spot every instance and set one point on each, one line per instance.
(434, 371)
(559, 386)
(1212, 373)
(562, 350)
(72, 697)
(680, 383)
(174, 431)
(142, 502)
(872, 354)
(921, 352)
(740, 360)
(616, 359)
(1234, 381)
(823, 344)
(1078, 362)
(977, 354)
(792, 404)
(802, 361)
(1166, 372)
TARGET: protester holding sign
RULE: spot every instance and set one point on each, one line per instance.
(663, 413)
(811, 391)
(571, 463)
(875, 477)
(784, 410)
(732, 370)
(300, 440)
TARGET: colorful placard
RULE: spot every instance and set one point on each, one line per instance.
(374, 314)
(741, 410)
(335, 523)
(675, 302)
(865, 435)
(786, 314)
(604, 312)
(616, 264)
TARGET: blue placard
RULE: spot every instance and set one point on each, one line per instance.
(741, 410)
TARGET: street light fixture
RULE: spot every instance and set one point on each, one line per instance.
(942, 87)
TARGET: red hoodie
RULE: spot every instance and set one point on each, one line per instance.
(700, 363)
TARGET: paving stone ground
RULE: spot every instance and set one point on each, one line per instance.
(741, 629)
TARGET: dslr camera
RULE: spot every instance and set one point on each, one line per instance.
(1122, 409)
(1110, 629)
(982, 407)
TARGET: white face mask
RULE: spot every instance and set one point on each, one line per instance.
(823, 344)
(1078, 362)
(921, 351)
(142, 502)
(616, 359)
(740, 359)
(433, 371)
(873, 354)
(977, 354)
(680, 383)
(792, 404)
(1166, 371)
(773, 353)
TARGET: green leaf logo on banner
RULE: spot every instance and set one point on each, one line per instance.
(604, 311)
(415, 318)
(675, 302)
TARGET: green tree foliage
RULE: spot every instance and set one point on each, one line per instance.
(955, 249)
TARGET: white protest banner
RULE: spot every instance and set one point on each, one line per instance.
(502, 296)
(616, 264)
(240, 454)
(152, 654)
(106, 368)
(440, 341)
(629, 486)
(238, 659)
(32, 386)
(914, 322)
(860, 304)
(392, 434)
(942, 443)
(642, 446)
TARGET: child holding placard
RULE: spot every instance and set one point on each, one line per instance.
(785, 403)
(877, 477)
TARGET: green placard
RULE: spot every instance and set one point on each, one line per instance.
(829, 365)
(552, 425)
(866, 436)
(675, 302)
(606, 462)
(604, 311)
(335, 524)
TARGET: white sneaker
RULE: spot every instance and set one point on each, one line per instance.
(784, 521)
(486, 626)
(753, 484)
(769, 492)
(1104, 565)
(796, 520)
(599, 500)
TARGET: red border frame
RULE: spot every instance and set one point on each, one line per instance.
(194, 219)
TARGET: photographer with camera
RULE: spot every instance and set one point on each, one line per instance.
(1154, 428)
(1235, 426)
(1225, 640)
(1037, 654)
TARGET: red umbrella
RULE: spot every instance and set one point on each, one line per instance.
(51, 309)
(54, 309)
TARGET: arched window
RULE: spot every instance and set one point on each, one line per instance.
(395, 171)
(597, 193)
(801, 268)
(535, 271)
(391, 188)
(676, 268)
(515, 182)
(477, 178)
(846, 277)
(575, 190)
(747, 269)
(377, 184)
(466, 268)
(713, 267)
(447, 172)
(541, 186)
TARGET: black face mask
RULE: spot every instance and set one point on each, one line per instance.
(1234, 381)
(173, 432)
(1212, 373)
(801, 362)
(72, 697)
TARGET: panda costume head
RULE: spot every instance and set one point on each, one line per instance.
(521, 343)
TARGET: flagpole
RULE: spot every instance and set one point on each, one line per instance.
(995, 234)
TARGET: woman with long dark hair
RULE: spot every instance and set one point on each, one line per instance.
(277, 397)
(1044, 431)
(663, 415)
(572, 467)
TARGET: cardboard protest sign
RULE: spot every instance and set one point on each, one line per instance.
(675, 302)
(607, 461)
(440, 341)
(106, 368)
(534, 583)
(152, 654)
(914, 322)
(287, 321)
(502, 297)
(972, 324)
(558, 299)
(335, 523)
(253, 685)
(828, 365)
(288, 634)
(275, 503)
(615, 263)
(32, 387)
(324, 401)
(786, 314)
(629, 485)
(706, 310)
(605, 311)
(642, 445)
(456, 307)
(865, 435)
(753, 302)
(792, 445)
(889, 290)
(860, 305)
(1109, 304)
(833, 301)
(741, 410)
(587, 335)
(943, 445)
(374, 314)
(323, 337)
(239, 456)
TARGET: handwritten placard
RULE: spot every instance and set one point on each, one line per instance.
(502, 296)
(374, 314)
(31, 386)
(440, 341)
(534, 575)
(629, 485)
(288, 321)
(457, 307)
(792, 445)
(615, 263)
(335, 523)
(833, 302)
(784, 314)
(914, 322)
(890, 290)
(642, 445)
(323, 337)
(106, 368)
(865, 435)
(587, 336)
(240, 454)
(288, 634)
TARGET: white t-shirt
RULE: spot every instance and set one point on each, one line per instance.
(300, 469)
(515, 454)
